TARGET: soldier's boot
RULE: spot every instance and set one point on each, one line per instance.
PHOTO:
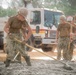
(7, 63)
(4, 62)
(27, 59)
(18, 58)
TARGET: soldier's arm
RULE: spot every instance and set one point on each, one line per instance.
(74, 30)
(71, 30)
(6, 27)
(27, 32)
(24, 34)
(57, 35)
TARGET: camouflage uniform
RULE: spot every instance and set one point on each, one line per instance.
(13, 46)
(72, 43)
(63, 40)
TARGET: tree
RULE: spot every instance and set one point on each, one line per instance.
(35, 3)
(67, 6)
(13, 6)
(72, 2)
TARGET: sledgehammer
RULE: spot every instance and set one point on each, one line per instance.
(66, 66)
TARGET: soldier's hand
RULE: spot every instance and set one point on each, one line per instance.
(56, 40)
(71, 39)
(24, 42)
(10, 36)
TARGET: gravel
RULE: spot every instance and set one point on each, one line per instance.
(39, 67)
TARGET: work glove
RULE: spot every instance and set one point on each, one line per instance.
(10, 36)
(24, 42)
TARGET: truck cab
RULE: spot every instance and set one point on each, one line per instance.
(2, 34)
(44, 23)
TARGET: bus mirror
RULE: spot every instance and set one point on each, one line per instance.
(37, 29)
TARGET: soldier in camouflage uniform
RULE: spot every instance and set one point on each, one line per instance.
(73, 37)
(63, 36)
(14, 28)
(18, 58)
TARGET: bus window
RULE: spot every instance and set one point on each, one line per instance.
(56, 18)
(35, 17)
(51, 18)
(48, 18)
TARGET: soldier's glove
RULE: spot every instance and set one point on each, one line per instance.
(24, 42)
(10, 36)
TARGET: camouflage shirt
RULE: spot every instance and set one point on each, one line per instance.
(74, 28)
(15, 24)
(64, 30)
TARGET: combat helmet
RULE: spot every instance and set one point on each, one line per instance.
(23, 12)
(69, 18)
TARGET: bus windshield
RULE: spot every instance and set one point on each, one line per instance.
(35, 17)
(51, 18)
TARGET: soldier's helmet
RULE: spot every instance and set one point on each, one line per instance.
(23, 12)
(69, 18)
(63, 17)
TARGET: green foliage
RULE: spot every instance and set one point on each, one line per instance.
(72, 2)
(11, 12)
(69, 11)
(7, 12)
(2, 12)
(67, 6)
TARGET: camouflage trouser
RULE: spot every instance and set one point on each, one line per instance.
(13, 47)
(72, 48)
(63, 44)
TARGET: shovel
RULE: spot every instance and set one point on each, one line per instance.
(66, 65)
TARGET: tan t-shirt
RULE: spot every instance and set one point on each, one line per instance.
(16, 25)
(64, 30)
